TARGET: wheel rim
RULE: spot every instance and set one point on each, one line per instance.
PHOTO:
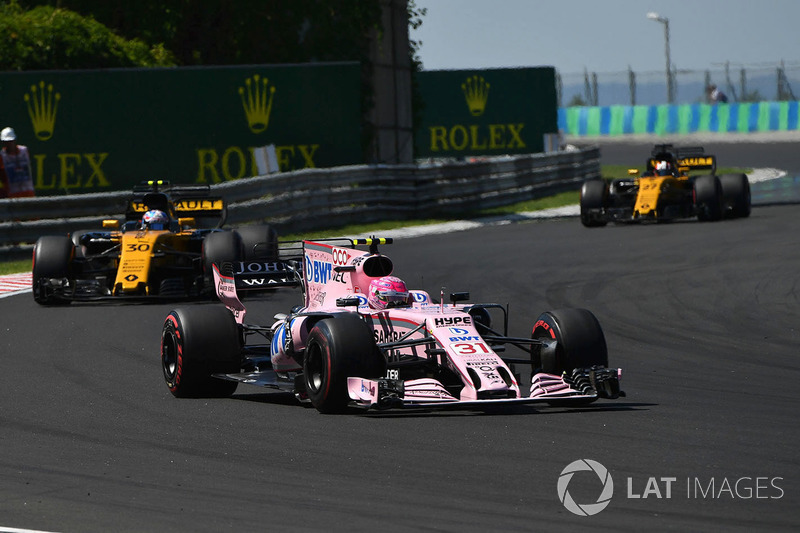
(315, 368)
(549, 334)
(169, 354)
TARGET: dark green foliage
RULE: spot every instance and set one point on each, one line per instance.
(221, 32)
(45, 38)
(197, 33)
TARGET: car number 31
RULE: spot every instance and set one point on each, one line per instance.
(468, 348)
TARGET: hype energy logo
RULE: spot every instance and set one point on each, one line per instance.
(585, 509)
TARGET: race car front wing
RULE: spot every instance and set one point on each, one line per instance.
(582, 384)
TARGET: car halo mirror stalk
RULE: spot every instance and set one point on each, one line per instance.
(458, 297)
(353, 301)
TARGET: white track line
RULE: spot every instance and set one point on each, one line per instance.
(16, 530)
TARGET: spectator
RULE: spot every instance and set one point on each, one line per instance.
(716, 96)
(17, 163)
(3, 181)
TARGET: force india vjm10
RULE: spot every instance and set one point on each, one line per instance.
(336, 350)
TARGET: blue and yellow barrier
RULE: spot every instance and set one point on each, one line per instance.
(743, 117)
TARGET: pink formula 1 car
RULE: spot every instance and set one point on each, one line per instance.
(361, 338)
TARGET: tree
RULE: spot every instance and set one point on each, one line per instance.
(221, 32)
(51, 38)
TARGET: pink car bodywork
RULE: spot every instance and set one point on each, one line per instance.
(451, 337)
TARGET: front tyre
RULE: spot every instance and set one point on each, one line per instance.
(197, 342)
(594, 197)
(580, 342)
(52, 256)
(339, 348)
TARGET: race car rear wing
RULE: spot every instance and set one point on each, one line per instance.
(287, 271)
(230, 278)
(177, 200)
(687, 157)
(255, 275)
(703, 162)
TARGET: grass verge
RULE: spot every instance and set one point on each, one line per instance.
(13, 267)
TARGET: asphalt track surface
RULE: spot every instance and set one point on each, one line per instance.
(702, 317)
(730, 150)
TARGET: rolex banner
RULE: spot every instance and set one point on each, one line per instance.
(485, 112)
(90, 131)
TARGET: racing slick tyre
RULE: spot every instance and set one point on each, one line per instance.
(218, 247)
(708, 198)
(52, 256)
(338, 348)
(594, 196)
(197, 342)
(260, 242)
(580, 342)
(735, 195)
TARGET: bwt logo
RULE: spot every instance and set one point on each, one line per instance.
(587, 509)
(318, 271)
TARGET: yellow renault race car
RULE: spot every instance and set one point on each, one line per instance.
(666, 191)
(163, 248)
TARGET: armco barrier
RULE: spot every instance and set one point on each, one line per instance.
(741, 117)
(311, 199)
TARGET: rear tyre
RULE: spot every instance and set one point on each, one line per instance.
(260, 243)
(52, 256)
(219, 247)
(594, 196)
(197, 342)
(735, 195)
(580, 342)
(339, 348)
(708, 198)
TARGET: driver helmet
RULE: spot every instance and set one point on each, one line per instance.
(155, 219)
(663, 168)
(388, 291)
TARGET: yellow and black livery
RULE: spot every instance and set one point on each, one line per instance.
(669, 188)
(130, 259)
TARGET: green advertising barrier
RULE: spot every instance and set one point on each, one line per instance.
(91, 131)
(486, 112)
